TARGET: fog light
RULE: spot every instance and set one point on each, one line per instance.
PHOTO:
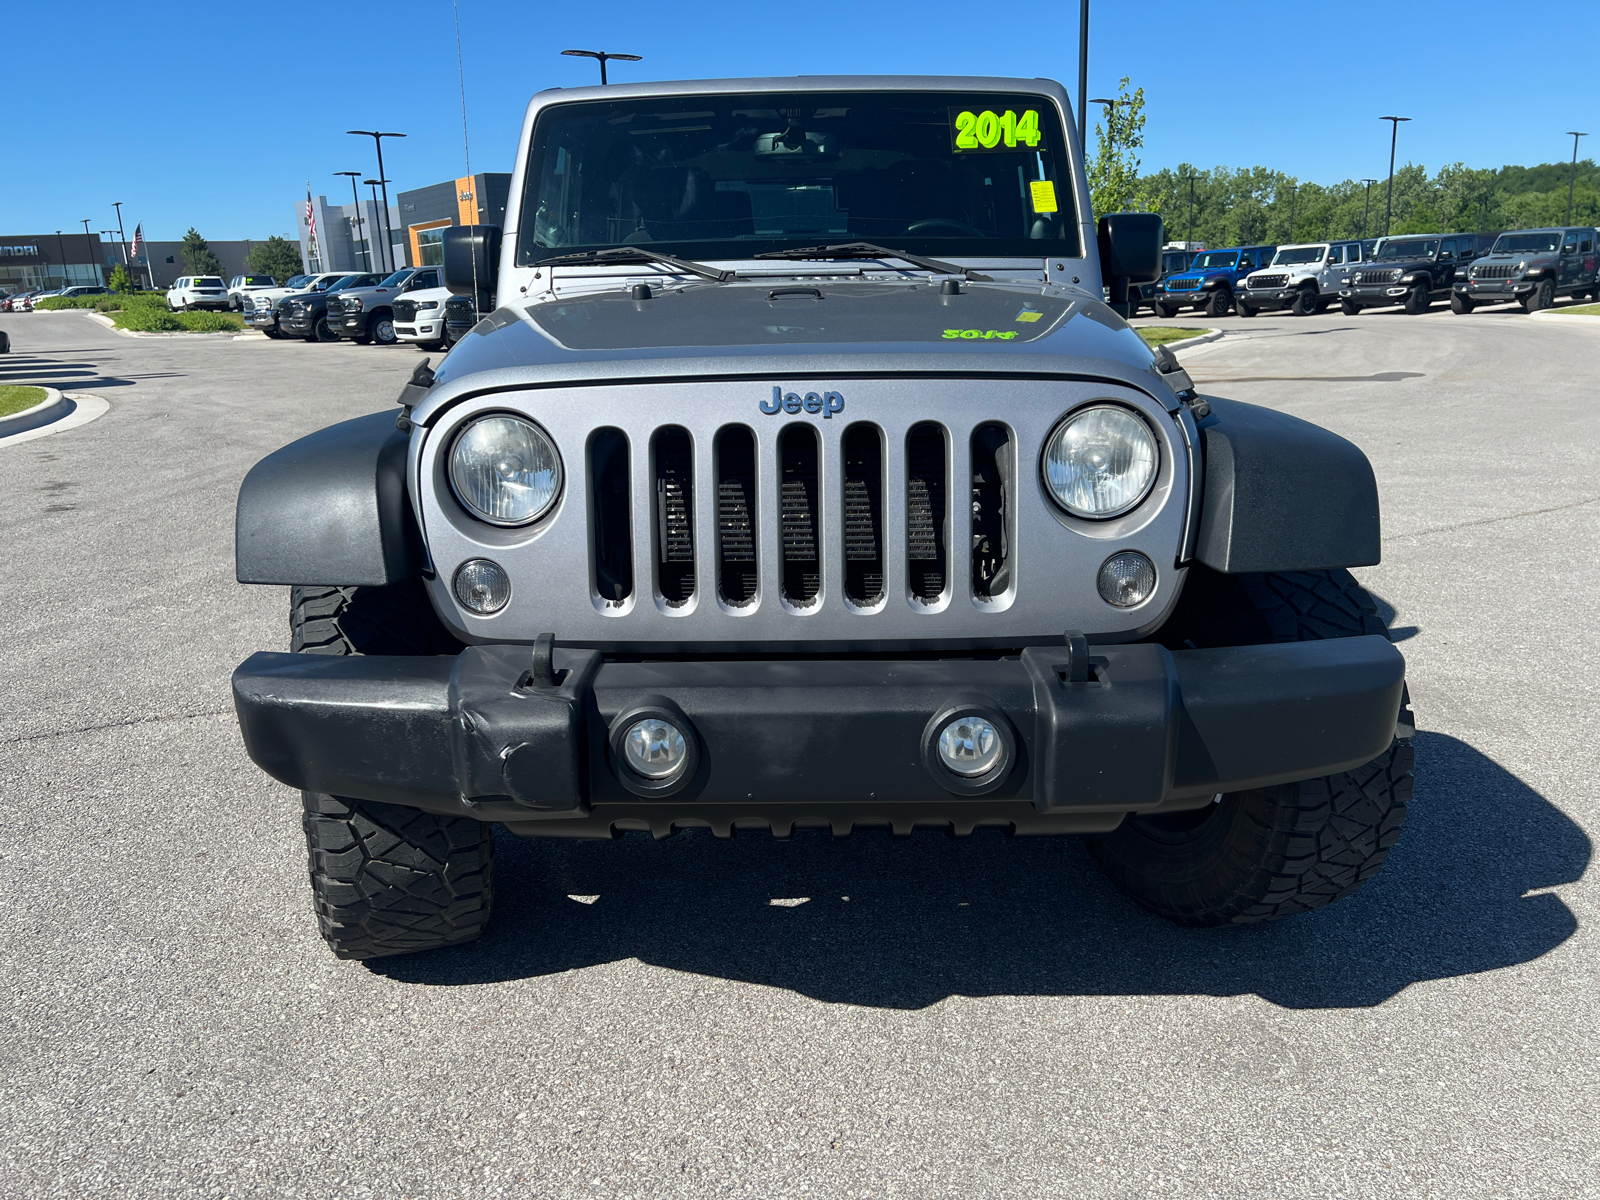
(654, 748)
(482, 586)
(1127, 579)
(971, 746)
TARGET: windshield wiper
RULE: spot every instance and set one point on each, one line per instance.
(637, 254)
(868, 250)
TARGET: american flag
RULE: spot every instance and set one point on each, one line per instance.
(138, 239)
(311, 216)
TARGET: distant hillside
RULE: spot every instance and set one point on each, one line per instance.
(1233, 206)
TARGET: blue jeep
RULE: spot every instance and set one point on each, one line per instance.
(1208, 284)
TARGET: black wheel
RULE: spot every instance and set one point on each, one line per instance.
(1542, 296)
(272, 333)
(1219, 303)
(1349, 308)
(1167, 311)
(323, 332)
(1270, 852)
(1305, 302)
(1243, 309)
(1461, 304)
(387, 879)
(362, 340)
(1322, 303)
(1418, 300)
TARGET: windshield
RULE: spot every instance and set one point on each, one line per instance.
(1298, 255)
(354, 281)
(1409, 248)
(708, 177)
(1215, 260)
(398, 277)
(1533, 242)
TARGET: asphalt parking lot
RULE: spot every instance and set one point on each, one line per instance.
(937, 1018)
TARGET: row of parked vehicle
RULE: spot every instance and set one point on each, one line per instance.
(1530, 267)
(24, 301)
(410, 305)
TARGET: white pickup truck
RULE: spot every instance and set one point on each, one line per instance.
(261, 307)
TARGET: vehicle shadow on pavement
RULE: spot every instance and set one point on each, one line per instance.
(904, 924)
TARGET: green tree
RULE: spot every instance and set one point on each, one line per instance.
(1114, 171)
(120, 282)
(277, 257)
(197, 256)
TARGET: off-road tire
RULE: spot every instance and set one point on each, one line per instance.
(386, 879)
(1541, 297)
(394, 880)
(272, 333)
(1269, 852)
(323, 332)
(1243, 309)
(1461, 304)
(1418, 300)
(1166, 311)
(1220, 302)
(1349, 308)
(1304, 303)
(1323, 302)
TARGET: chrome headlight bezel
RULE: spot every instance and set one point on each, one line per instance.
(452, 462)
(1152, 446)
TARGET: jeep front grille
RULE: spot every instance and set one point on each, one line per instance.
(1376, 276)
(925, 511)
(863, 515)
(797, 518)
(335, 309)
(1182, 285)
(1267, 281)
(674, 488)
(736, 512)
(1494, 271)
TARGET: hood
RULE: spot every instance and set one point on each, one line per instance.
(794, 330)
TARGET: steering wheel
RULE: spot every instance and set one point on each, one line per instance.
(932, 224)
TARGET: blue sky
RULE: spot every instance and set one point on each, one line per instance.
(203, 126)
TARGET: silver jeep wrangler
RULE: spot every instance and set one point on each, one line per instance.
(799, 478)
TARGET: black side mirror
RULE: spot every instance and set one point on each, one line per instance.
(472, 262)
(1130, 252)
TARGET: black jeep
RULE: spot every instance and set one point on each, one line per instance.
(1411, 271)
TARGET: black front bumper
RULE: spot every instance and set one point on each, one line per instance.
(298, 325)
(822, 742)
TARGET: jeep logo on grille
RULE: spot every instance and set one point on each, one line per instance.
(826, 403)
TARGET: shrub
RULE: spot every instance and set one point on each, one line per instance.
(57, 303)
(145, 319)
(209, 322)
(120, 282)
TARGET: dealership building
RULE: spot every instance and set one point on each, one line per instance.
(29, 261)
(351, 237)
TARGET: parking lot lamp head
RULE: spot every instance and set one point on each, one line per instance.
(355, 196)
(603, 56)
(1394, 133)
(1572, 181)
(388, 236)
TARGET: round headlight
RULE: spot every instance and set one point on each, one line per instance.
(1100, 462)
(505, 470)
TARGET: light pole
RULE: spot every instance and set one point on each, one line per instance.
(1572, 182)
(366, 247)
(62, 247)
(377, 139)
(1366, 207)
(99, 268)
(1083, 79)
(374, 183)
(1189, 237)
(605, 55)
(1394, 134)
(122, 238)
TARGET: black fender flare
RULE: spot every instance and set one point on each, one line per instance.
(1282, 494)
(331, 509)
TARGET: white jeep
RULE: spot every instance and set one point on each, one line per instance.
(1304, 278)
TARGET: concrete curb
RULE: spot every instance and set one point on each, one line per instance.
(102, 319)
(83, 407)
(1211, 336)
(1546, 314)
(53, 407)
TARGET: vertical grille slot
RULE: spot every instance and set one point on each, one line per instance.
(863, 514)
(673, 478)
(736, 515)
(797, 515)
(993, 484)
(609, 519)
(927, 535)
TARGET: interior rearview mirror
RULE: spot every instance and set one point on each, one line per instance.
(1130, 252)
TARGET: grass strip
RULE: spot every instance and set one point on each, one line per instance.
(1160, 335)
(14, 399)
